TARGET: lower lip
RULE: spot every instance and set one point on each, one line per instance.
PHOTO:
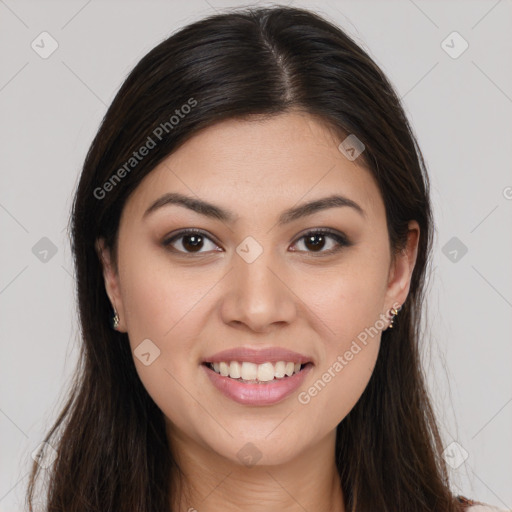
(257, 394)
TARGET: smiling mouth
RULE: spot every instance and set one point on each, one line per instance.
(251, 373)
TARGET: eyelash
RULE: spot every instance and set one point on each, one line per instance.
(340, 239)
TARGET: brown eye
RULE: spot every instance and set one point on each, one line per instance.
(191, 241)
(316, 241)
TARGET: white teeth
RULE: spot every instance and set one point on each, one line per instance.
(279, 369)
(266, 372)
(235, 370)
(249, 371)
(224, 369)
(256, 372)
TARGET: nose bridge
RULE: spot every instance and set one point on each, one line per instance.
(258, 294)
(253, 262)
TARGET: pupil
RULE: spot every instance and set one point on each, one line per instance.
(317, 245)
(193, 245)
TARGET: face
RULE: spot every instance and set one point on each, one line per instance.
(258, 279)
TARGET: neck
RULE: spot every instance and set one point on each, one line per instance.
(212, 482)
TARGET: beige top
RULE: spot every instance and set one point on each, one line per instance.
(484, 508)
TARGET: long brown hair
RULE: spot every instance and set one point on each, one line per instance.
(113, 453)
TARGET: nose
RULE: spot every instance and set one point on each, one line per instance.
(258, 294)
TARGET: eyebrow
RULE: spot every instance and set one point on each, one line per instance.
(216, 212)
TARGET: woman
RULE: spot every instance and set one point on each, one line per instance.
(254, 217)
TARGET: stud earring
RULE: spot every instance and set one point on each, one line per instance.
(393, 312)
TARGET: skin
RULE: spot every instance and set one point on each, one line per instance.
(193, 304)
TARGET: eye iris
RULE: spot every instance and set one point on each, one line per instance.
(196, 242)
(310, 239)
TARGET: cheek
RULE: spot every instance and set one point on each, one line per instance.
(340, 382)
(348, 299)
(348, 305)
(162, 313)
(347, 363)
(158, 296)
(165, 309)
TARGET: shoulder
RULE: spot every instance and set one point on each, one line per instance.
(477, 506)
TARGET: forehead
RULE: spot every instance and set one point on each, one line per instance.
(260, 165)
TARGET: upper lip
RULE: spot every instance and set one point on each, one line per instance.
(257, 356)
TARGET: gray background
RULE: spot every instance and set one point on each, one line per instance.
(460, 109)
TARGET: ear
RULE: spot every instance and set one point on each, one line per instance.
(401, 269)
(111, 279)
